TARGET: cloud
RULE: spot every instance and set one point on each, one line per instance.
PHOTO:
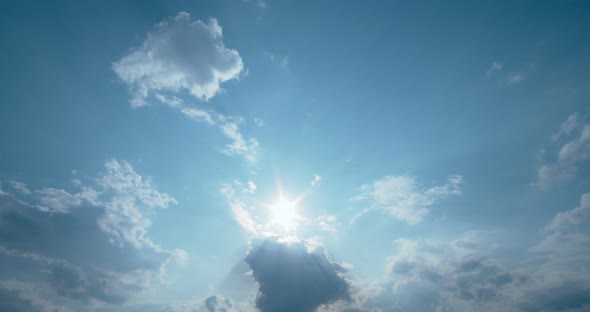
(403, 198)
(179, 54)
(281, 62)
(571, 218)
(494, 68)
(263, 4)
(61, 201)
(20, 187)
(316, 179)
(245, 147)
(185, 55)
(293, 278)
(21, 297)
(572, 123)
(133, 196)
(437, 276)
(239, 212)
(258, 122)
(91, 251)
(218, 304)
(571, 154)
(516, 78)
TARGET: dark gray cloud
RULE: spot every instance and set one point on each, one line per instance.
(293, 278)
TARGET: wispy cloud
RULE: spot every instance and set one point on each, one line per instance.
(278, 61)
(316, 180)
(573, 153)
(495, 67)
(403, 198)
(516, 78)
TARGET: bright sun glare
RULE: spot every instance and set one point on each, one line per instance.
(283, 213)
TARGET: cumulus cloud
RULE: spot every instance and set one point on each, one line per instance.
(91, 251)
(438, 276)
(185, 55)
(291, 277)
(179, 54)
(403, 198)
(572, 154)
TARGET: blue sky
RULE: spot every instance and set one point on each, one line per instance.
(275, 155)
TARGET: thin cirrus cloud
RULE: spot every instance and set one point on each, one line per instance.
(403, 198)
(185, 55)
(573, 137)
(93, 249)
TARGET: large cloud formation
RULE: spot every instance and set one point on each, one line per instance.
(179, 54)
(292, 278)
(93, 249)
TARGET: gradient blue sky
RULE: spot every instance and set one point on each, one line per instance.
(436, 154)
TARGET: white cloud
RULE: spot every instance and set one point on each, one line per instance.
(316, 180)
(185, 55)
(96, 249)
(570, 156)
(494, 67)
(403, 198)
(125, 219)
(327, 223)
(248, 148)
(516, 78)
(572, 123)
(568, 219)
(258, 122)
(239, 212)
(179, 54)
(58, 200)
(281, 62)
(251, 187)
(21, 187)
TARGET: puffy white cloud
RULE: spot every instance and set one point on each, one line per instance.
(291, 277)
(403, 198)
(570, 156)
(133, 196)
(179, 54)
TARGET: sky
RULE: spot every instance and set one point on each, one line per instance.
(294, 156)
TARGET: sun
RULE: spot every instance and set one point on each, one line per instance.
(283, 213)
